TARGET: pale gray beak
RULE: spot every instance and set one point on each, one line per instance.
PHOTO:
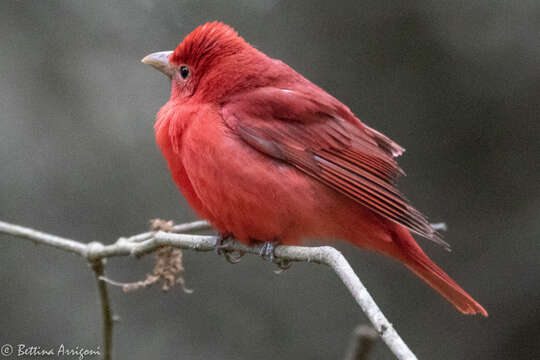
(160, 61)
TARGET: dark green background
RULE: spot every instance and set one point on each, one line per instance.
(457, 84)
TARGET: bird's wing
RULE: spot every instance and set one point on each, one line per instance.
(325, 141)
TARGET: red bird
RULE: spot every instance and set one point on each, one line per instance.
(267, 156)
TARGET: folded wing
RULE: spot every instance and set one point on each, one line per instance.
(323, 139)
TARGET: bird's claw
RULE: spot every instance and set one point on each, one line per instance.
(222, 243)
(283, 266)
(267, 252)
(233, 257)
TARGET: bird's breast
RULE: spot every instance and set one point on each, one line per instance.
(169, 129)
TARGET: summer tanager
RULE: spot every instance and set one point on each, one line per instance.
(267, 156)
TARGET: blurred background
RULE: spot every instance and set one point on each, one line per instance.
(457, 84)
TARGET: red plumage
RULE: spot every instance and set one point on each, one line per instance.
(266, 155)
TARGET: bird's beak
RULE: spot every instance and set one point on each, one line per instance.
(160, 61)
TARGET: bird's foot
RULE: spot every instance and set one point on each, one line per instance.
(267, 252)
(283, 266)
(222, 244)
(223, 240)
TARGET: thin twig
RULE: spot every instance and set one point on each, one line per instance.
(362, 341)
(106, 312)
(151, 242)
(192, 226)
(180, 228)
(43, 238)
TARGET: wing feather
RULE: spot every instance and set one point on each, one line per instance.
(325, 141)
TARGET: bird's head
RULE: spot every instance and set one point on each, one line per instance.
(211, 63)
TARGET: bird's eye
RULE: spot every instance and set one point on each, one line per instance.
(184, 71)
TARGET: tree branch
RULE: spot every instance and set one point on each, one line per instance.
(106, 312)
(141, 244)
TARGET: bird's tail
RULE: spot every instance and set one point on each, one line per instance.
(408, 251)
